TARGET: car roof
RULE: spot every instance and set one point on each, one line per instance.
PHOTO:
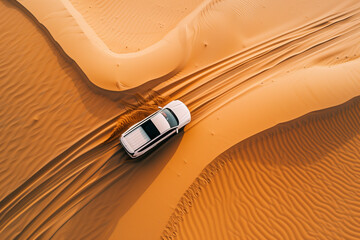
(160, 122)
(147, 131)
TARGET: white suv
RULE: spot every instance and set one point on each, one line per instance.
(154, 129)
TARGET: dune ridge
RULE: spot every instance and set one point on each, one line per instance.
(103, 67)
(276, 184)
(174, 52)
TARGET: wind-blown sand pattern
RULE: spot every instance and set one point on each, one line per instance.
(276, 185)
(64, 173)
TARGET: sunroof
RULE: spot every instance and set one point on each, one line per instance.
(150, 129)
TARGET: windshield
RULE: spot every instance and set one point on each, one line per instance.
(170, 117)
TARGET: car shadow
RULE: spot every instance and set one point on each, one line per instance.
(128, 181)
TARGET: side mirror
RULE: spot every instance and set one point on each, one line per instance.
(177, 131)
(159, 107)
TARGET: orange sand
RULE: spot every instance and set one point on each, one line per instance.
(213, 30)
(241, 68)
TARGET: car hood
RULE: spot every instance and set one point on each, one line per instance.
(181, 111)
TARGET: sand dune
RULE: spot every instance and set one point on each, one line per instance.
(64, 174)
(289, 97)
(276, 185)
(211, 31)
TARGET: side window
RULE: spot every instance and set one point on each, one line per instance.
(157, 140)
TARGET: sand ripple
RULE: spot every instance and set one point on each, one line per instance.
(298, 180)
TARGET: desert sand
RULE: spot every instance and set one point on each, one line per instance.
(272, 149)
(276, 185)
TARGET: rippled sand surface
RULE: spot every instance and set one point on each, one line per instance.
(75, 74)
(277, 185)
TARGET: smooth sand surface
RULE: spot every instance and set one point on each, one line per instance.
(131, 26)
(241, 67)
